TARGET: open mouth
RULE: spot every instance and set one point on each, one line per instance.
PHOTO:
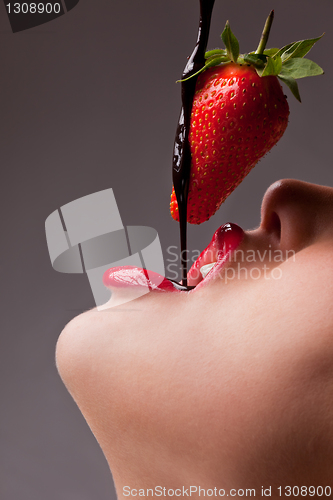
(225, 240)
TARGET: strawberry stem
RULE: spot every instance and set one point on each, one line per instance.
(265, 33)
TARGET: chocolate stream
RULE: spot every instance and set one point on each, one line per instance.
(181, 165)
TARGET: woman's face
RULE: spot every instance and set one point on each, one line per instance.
(230, 384)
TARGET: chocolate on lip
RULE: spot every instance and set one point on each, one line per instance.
(225, 240)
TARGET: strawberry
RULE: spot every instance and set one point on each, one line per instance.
(237, 117)
(239, 113)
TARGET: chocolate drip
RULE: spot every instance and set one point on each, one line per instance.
(182, 154)
(181, 287)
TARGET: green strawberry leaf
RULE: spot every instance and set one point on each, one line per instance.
(270, 52)
(230, 42)
(215, 60)
(215, 52)
(298, 49)
(272, 67)
(212, 61)
(292, 84)
(286, 48)
(257, 60)
(299, 67)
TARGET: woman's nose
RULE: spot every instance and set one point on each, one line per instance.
(296, 213)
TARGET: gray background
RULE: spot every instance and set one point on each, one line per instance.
(87, 102)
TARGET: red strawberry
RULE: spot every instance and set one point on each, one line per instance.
(237, 117)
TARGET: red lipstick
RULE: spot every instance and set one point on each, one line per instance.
(225, 240)
(130, 279)
(118, 278)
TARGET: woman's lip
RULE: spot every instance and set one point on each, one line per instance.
(125, 277)
(225, 240)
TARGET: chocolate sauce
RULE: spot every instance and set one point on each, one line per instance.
(182, 154)
(181, 287)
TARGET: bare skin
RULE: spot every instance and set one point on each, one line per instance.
(229, 387)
